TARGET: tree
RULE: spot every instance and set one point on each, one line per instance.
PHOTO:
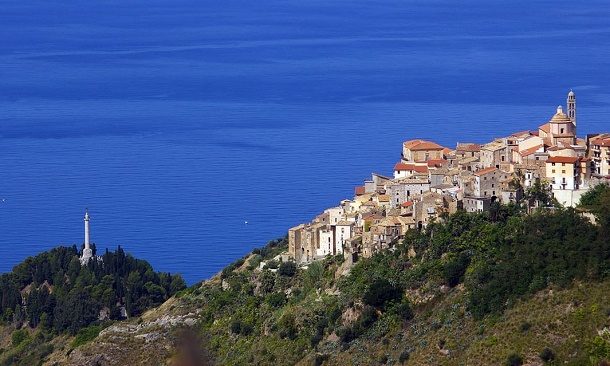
(287, 269)
(538, 195)
(381, 291)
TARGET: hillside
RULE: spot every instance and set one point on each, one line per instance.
(500, 288)
(50, 300)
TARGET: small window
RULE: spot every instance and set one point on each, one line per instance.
(563, 171)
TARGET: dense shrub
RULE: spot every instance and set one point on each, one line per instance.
(276, 299)
(18, 337)
(514, 359)
(287, 269)
(86, 335)
(380, 292)
(272, 264)
(547, 355)
(404, 356)
(455, 268)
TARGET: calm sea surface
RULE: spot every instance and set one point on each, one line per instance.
(177, 122)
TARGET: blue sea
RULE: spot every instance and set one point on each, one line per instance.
(195, 131)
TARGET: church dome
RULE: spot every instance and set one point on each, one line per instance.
(560, 117)
(571, 93)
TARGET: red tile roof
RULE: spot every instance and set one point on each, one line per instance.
(562, 159)
(413, 167)
(359, 190)
(521, 133)
(469, 147)
(601, 141)
(407, 204)
(418, 145)
(485, 171)
(545, 127)
(436, 162)
(530, 151)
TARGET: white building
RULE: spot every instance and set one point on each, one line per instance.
(343, 233)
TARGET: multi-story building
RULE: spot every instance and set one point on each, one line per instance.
(599, 153)
(421, 151)
(565, 172)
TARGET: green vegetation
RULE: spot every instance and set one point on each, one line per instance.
(509, 287)
(85, 335)
(467, 290)
(63, 296)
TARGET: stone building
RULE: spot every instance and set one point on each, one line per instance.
(406, 189)
(421, 151)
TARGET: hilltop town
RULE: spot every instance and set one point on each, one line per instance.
(431, 181)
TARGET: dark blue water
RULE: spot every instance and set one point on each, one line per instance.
(176, 122)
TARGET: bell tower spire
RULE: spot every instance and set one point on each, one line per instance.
(571, 106)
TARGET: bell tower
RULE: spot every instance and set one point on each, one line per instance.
(571, 105)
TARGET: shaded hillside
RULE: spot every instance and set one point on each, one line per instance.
(51, 294)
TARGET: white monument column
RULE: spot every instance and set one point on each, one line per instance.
(87, 252)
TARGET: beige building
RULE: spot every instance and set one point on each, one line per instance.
(560, 130)
(599, 153)
(494, 153)
(567, 172)
(421, 151)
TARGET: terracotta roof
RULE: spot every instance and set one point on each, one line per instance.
(521, 133)
(530, 151)
(468, 147)
(373, 216)
(383, 198)
(562, 159)
(601, 141)
(417, 145)
(359, 190)
(485, 171)
(436, 162)
(545, 128)
(407, 204)
(413, 167)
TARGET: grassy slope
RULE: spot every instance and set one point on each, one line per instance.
(565, 321)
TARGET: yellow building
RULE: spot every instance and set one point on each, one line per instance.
(567, 172)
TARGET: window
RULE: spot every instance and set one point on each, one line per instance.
(553, 164)
(553, 170)
(563, 171)
(562, 130)
(563, 164)
(492, 185)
